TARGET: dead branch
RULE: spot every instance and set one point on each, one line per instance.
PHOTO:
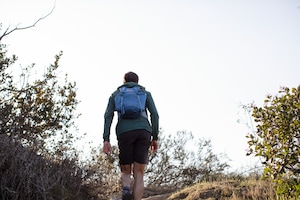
(8, 31)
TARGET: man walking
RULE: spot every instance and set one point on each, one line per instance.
(135, 134)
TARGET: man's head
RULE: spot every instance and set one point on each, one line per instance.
(131, 77)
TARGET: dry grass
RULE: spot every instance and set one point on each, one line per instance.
(224, 190)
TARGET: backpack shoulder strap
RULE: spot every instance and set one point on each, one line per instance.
(122, 89)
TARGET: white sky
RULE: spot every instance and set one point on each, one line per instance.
(199, 58)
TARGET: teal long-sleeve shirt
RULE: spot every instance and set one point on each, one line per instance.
(124, 125)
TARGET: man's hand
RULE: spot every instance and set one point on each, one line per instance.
(107, 147)
(154, 146)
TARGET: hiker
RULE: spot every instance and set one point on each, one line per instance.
(135, 134)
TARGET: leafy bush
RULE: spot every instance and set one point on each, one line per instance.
(38, 160)
(277, 140)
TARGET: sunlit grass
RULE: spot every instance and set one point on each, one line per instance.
(227, 190)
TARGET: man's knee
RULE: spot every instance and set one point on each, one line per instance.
(138, 168)
(126, 169)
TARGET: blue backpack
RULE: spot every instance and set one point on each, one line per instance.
(131, 102)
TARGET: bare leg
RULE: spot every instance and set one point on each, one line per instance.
(126, 175)
(138, 186)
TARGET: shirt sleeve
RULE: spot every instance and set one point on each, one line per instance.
(154, 117)
(108, 118)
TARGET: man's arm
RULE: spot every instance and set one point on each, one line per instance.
(108, 118)
(153, 115)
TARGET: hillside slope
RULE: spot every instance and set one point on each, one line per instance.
(225, 190)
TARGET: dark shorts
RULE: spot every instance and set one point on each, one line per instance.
(134, 147)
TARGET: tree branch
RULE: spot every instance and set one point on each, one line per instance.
(7, 31)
